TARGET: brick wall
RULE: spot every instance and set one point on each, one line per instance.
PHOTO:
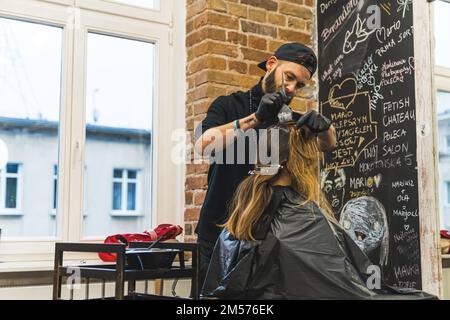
(224, 42)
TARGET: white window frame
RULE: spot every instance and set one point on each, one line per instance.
(55, 177)
(17, 211)
(166, 29)
(161, 14)
(442, 78)
(63, 2)
(124, 180)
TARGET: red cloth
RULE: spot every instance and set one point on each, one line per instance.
(445, 234)
(167, 231)
(445, 240)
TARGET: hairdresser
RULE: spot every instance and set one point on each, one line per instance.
(238, 113)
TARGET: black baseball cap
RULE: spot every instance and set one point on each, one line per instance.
(295, 52)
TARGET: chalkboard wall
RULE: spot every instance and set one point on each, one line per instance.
(366, 77)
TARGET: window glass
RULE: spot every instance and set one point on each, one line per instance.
(443, 109)
(119, 106)
(30, 91)
(441, 28)
(148, 4)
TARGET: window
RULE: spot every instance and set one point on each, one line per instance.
(30, 72)
(11, 189)
(442, 79)
(119, 90)
(30, 91)
(448, 144)
(87, 83)
(443, 103)
(125, 184)
(448, 192)
(443, 113)
(119, 111)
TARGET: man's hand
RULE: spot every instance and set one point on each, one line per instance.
(270, 105)
(315, 121)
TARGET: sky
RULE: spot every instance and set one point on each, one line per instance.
(119, 78)
(442, 27)
(442, 49)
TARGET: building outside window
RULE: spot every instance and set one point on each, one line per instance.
(10, 189)
(447, 195)
(448, 145)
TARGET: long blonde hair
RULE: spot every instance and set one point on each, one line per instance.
(255, 192)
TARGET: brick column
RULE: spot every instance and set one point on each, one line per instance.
(225, 40)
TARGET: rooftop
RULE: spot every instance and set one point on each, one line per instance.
(94, 131)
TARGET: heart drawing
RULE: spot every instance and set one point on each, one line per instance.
(343, 95)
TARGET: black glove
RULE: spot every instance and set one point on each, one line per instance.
(315, 121)
(270, 105)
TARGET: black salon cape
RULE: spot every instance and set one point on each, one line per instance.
(301, 256)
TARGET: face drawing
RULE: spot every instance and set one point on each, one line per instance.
(364, 219)
(333, 184)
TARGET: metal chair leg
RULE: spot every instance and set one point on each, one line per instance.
(87, 288)
(103, 288)
(174, 285)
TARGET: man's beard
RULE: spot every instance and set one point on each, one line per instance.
(271, 86)
(270, 82)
